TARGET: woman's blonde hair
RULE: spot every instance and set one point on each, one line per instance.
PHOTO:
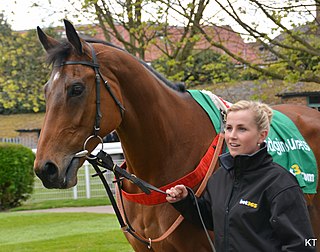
(262, 112)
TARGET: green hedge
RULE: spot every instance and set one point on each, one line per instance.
(16, 174)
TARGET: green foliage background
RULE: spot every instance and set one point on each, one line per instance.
(23, 71)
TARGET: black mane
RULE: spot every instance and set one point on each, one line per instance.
(59, 53)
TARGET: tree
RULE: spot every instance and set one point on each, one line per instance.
(169, 28)
(22, 71)
(295, 53)
(137, 24)
(201, 67)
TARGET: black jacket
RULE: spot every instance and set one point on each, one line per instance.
(252, 204)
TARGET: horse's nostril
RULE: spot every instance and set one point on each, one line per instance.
(49, 174)
(50, 169)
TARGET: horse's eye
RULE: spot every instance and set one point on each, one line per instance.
(75, 90)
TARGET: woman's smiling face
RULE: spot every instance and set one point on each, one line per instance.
(241, 133)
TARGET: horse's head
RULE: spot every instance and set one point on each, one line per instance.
(73, 108)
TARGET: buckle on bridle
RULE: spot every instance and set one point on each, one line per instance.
(84, 152)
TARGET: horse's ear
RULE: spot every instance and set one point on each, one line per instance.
(73, 37)
(46, 41)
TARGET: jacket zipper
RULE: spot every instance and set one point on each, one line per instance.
(226, 229)
(226, 220)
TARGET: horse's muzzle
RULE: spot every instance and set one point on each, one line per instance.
(52, 177)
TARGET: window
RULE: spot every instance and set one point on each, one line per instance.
(314, 102)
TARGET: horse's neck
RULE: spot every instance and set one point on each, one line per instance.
(164, 133)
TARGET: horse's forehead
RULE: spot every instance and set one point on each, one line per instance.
(66, 73)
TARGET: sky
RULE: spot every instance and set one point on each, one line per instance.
(22, 16)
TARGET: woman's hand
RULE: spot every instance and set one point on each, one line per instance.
(177, 193)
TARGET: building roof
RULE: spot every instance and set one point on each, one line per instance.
(300, 89)
(264, 91)
(222, 34)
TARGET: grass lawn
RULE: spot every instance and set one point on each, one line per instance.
(62, 203)
(61, 232)
(10, 123)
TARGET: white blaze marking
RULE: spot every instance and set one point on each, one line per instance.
(56, 76)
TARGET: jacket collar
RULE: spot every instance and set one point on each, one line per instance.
(245, 162)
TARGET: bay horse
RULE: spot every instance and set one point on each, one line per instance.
(163, 131)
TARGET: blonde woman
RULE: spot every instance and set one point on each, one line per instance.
(251, 203)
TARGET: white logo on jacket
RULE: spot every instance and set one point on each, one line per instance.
(248, 203)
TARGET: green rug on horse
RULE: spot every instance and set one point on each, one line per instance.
(285, 143)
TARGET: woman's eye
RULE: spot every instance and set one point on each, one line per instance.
(75, 90)
(242, 129)
(228, 128)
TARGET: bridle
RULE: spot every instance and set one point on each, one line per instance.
(98, 78)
